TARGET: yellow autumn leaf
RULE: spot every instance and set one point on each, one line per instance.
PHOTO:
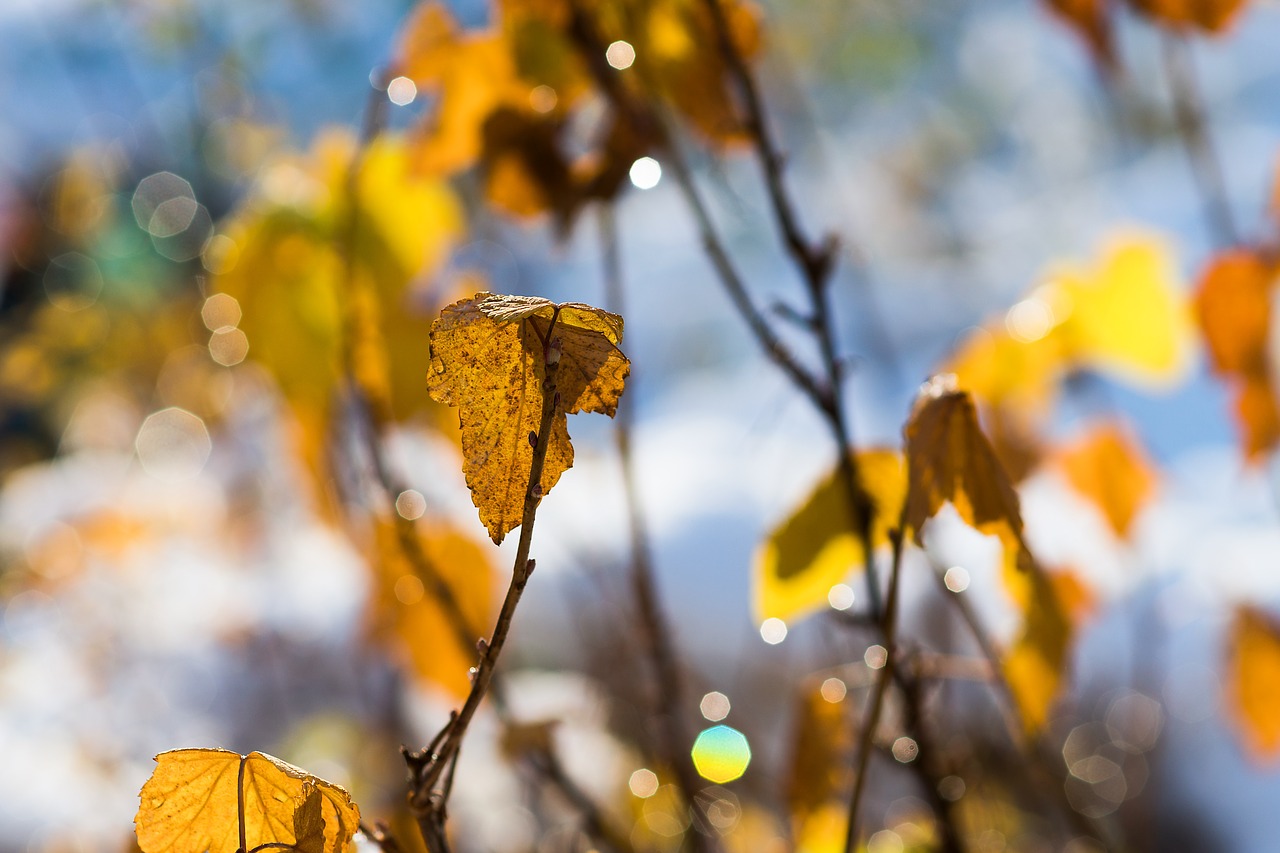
(1253, 681)
(949, 460)
(218, 801)
(1128, 317)
(489, 358)
(404, 610)
(1033, 666)
(816, 546)
(821, 761)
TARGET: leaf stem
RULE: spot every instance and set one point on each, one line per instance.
(426, 798)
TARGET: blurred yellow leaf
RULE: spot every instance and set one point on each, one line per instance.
(404, 607)
(488, 358)
(1127, 316)
(1212, 16)
(821, 764)
(1108, 468)
(677, 47)
(1006, 371)
(1253, 681)
(209, 800)
(1034, 665)
(816, 546)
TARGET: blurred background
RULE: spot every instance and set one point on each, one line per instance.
(194, 538)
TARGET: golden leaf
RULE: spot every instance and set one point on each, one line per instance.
(949, 460)
(488, 358)
(404, 608)
(209, 800)
(1034, 665)
(816, 547)
(1210, 15)
(1253, 681)
(1127, 317)
(1106, 467)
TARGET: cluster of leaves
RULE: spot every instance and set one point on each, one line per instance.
(334, 262)
(531, 102)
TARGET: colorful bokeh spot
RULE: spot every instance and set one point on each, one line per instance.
(721, 754)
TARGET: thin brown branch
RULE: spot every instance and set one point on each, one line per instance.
(428, 798)
(871, 720)
(815, 263)
(1188, 104)
(609, 837)
(669, 693)
(381, 836)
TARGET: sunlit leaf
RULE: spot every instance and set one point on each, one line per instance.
(202, 800)
(817, 547)
(1253, 681)
(488, 358)
(1107, 467)
(406, 610)
(949, 460)
(1208, 15)
(1127, 316)
(1005, 371)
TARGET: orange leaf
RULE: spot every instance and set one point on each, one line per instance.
(1233, 305)
(1253, 681)
(1212, 16)
(1259, 415)
(1106, 467)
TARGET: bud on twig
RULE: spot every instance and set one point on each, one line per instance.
(554, 350)
(533, 439)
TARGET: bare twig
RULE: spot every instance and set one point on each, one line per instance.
(428, 797)
(1189, 108)
(380, 835)
(872, 719)
(816, 263)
